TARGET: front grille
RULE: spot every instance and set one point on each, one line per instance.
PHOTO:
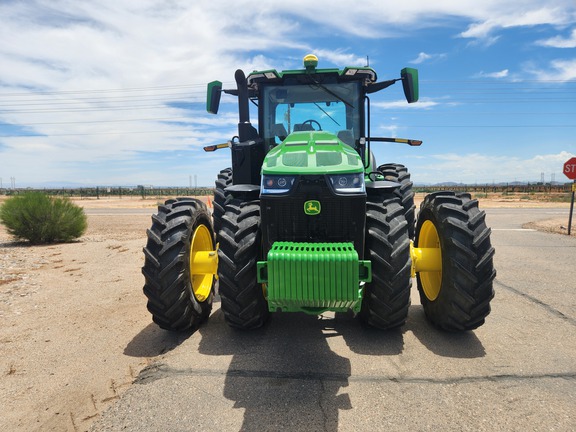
(341, 219)
(313, 275)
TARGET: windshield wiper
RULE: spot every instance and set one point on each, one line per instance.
(324, 111)
(330, 92)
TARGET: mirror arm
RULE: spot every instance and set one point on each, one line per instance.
(381, 85)
(410, 142)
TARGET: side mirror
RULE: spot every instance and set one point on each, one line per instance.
(213, 97)
(410, 84)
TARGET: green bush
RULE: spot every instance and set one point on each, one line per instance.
(38, 218)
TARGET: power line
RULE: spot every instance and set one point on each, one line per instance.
(93, 133)
(94, 107)
(108, 121)
(530, 126)
(109, 90)
(451, 84)
(184, 100)
(461, 112)
(48, 110)
(160, 119)
(188, 130)
(191, 98)
(134, 107)
(112, 99)
(499, 82)
(198, 94)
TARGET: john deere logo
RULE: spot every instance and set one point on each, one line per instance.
(312, 208)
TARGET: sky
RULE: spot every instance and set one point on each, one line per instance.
(112, 92)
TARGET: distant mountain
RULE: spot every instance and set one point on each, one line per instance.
(500, 184)
(443, 184)
(449, 184)
(55, 185)
(77, 185)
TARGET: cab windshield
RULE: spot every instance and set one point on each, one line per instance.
(306, 107)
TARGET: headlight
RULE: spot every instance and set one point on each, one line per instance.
(347, 183)
(277, 184)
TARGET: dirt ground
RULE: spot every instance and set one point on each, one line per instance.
(73, 318)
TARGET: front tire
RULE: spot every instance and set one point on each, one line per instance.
(387, 298)
(221, 197)
(399, 173)
(243, 302)
(178, 299)
(457, 298)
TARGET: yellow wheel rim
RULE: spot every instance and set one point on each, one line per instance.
(203, 263)
(431, 281)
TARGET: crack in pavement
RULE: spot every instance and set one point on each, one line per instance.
(323, 409)
(540, 303)
(161, 371)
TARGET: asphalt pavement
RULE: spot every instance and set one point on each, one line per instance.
(328, 373)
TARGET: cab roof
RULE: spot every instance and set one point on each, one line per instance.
(351, 73)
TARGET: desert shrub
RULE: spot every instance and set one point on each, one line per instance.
(38, 218)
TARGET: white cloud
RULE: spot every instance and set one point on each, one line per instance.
(479, 30)
(423, 103)
(501, 74)
(558, 70)
(389, 130)
(559, 41)
(481, 168)
(424, 57)
(381, 18)
(493, 17)
(339, 57)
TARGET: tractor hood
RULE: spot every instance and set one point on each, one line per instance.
(312, 152)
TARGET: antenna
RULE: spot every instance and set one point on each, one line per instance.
(367, 61)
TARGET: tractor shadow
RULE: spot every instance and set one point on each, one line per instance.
(284, 376)
(152, 341)
(287, 375)
(465, 345)
(366, 340)
(294, 373)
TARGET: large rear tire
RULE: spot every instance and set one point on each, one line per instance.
(399, 173)
(178, 298)
(457, 298)
(387, 298)
(243, 302)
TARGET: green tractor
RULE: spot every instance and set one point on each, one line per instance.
(305, 220)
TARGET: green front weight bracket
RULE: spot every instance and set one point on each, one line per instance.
(314, 277)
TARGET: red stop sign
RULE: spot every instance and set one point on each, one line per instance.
(570, 168)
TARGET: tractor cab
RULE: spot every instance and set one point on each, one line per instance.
(294, 106)
(327, 100)
(307, 100)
